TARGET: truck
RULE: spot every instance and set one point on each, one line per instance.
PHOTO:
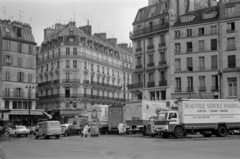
(138, 113)
(115, 116)
(78, 122)
(205, 116)
(98, 116)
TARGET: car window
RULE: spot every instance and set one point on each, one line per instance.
(57, 124)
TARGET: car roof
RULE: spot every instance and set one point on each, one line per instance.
(47, 121)
(65, 124)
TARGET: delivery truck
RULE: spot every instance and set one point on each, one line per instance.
(115, 116)
(138, 113)
(78, 122)
(98, 116)
(205, 116)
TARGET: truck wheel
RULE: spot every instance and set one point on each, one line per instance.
(178, 132)
(221, 131)
(45, 136)
(165, 135)
(36, 137)
(152, 135)
(207, 135)
(57, 136)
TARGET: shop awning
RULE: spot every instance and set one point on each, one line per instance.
(25, 112)
(70, 111)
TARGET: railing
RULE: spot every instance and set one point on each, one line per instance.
(138, 66)
(214, 67)
(150, 47)
(189, 89)
(178, 89)
(15, 94)
(177, 51)
(56, 81)
(162, 62)
(150, 64)
(44, 83)
(185, 35)
(202, 88)
(151, 84)
(70, 80)
(138, 49)
(85, 81)
(135, 85)
(148, 30)
(189, 50)
(232, 65)
(231, 47)
(162, 44)
(105, 85)
(202, 68)
(163, 83)
(215, 88)
(230, 30)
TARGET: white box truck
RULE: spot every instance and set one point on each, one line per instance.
(98, 116)
(206, 116)
(138, 113)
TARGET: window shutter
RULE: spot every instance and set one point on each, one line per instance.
(15, 92)
(189, 62)
(214, 61)
(18, 76)
(4, 60)
(231, 61)
(11, 61)
(6, 92)
(22, 78)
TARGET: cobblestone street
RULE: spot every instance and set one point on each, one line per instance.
(121, 147)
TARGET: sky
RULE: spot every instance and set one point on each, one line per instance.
(114, 17)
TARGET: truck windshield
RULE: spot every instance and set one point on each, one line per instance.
(162, 116)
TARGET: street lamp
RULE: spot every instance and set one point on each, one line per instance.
(220, 82)
(29, 87)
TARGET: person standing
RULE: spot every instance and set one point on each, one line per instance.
(85, 130)
(124, 127)
(120, 128)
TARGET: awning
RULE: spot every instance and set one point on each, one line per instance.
(25, 112)
(70, 111)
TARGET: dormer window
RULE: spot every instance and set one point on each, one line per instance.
(71, 40)
(230, 9)
(71, 31)
(19, 32)
(187, 18)
(152, 11)
(209, 15)
(7, 30)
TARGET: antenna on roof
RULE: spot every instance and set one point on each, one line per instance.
(20, 15)
(113, 30)
(74, 16)
(11, 17)
(4, 12)
(30, 20)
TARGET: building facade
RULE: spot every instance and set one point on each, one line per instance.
(77, 69)
(17, 67)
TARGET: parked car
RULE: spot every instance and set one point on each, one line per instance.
(18, 131)
(69, 129)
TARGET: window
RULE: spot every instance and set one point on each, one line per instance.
(46, 67)
(19, 32)
(98, 68)
(231, 61)
(7, 76)
(30, 49)
(230, 27)
(85, 65)
(74, 63)
(67, 63)
(139, 60)
(229, 10)
(201, 45)
(177, 48)
(214, 62)
(41, 69)
(20, 76)
(108, 71)
(151, 77)
(189, 46)
(162, 57)
(29, 77)
(177, 34)
(189, 32)
(150, 41)
(59, 52)
(71, 40)
(71, 31)
(178, 64)
(152, 11)
(103, 70)
(57, 64)
(232, 87)
(213, 29)
(139, 44)
(215, 82)
(231, 43)
(8, 45)
(150, 58)
(213, 44)
(139, 78)
(8, 60)
(6, 104)
(74, 51)
(189, 64)
(202, 81)
(18, 92)
(200, 31)
(67, 76)
(20, 47)
(178, 83)
(162, 21)
(163, 76)
(190, 82)
(162, 40)
(201, 63)
(92, 66)
(67, 51)
(52, 66)
(7, 30)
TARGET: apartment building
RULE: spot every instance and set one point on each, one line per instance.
(230, 40)
(195, 43)
(77, 69)
(17, 67)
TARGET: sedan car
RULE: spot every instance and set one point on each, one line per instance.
(19, 131)
(69, 129)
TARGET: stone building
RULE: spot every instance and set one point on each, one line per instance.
(77, 69)
(17, 68)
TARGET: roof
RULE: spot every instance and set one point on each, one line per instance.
(65, 124)
(199, 16)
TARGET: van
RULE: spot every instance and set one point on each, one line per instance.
(47, 129)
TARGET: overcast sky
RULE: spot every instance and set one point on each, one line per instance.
(114, 17)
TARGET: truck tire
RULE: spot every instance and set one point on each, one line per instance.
(165, 135)
(207, 135)
(178, 132)
(221, 131)
(152, 135)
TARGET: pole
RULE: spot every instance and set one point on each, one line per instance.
(29, 122)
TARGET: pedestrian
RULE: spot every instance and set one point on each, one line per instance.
(124, 127)
(85, 130)
(120, 128)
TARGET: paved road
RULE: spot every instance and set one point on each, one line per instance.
(122, 147)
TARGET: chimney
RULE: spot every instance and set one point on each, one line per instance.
(59, 26)
(87, 29)
(48, 31)
(112, 41)
(101, 35)
(123, 45)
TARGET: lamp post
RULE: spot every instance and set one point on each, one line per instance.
(29, 87)
(220, 82)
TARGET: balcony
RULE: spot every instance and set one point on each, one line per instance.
(189, 89)
(148, 30)
(202, 88)
(162, 44)
(138, 49)
(202, 68)
(15, 94)
(56, 81)
(178, 89)
(44, 83)
(151, 84)
(85, 81)
(201, 49)
(162, 83)
(232, 65)
(135, 85)
(214, 67)
(189, 50)
(162, 62)
(96, 83)
(150, 64)
(150, 47)
(230, 30)
(215, 88)
(138, 66)
(177, 51)
(231, 47)
(71, 81)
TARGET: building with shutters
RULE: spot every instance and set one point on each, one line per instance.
(17, 70)
(77, 69)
